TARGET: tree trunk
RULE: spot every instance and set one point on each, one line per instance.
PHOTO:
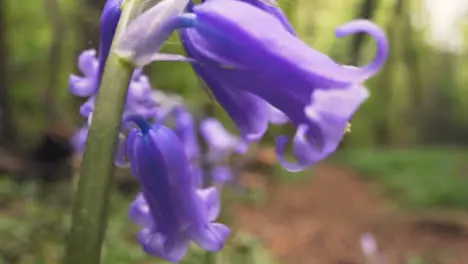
(57, 25)
(365, 11)
(7, 126)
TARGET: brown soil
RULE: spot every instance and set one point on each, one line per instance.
(321, 221)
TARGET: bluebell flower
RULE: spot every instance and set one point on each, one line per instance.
(140, 100)
(248, 57)
(170, 209)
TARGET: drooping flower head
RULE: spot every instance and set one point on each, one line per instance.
(171, 210)
(246, 62)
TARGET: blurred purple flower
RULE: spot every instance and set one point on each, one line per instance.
(370, 250)
(79, 142)
(185, 129)
(171, 210)
(368, 245)
(248, 65)
(221, 174)
(140, 99)
(78, 139)
(88, 65)
(221, 143)
(92, 67)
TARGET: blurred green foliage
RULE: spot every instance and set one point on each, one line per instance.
(415, 178)
(34, 232)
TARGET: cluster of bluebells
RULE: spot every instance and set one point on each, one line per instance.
(258, 70)
(186, 203)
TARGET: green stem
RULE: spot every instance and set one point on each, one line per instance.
(89, 216)
(92, 196)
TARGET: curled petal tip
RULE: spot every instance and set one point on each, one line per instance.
(140, 213)
(281, 143)
(366, 26)
(80, 86)
(214, 237)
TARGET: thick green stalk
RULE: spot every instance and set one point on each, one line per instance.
(89, 216)
(92, 196)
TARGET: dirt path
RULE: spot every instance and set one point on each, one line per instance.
(321, 222)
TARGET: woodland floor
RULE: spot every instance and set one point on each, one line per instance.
(321, 221)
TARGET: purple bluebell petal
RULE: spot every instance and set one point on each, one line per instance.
(210, 197)
(248, 112)
(140, 212)
(87, 62)
(87, 108)
(277, 117)
(80, 86)
(221, 143)
(147, 33)
(212, 237)
(109, 19)
(221, 174)
(84, 85)
(185, 129)
(158, 245)
(120, 159)
(79, 139)
(197, 174)
(271, 6)
(131, 146)
(137, 74)
(329, 113)
(180, 214)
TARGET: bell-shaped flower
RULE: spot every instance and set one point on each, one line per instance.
(171, 210)
(247, 56)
